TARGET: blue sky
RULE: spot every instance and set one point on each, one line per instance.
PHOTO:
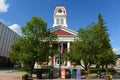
(80, 13)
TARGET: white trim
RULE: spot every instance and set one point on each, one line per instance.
(66, 39)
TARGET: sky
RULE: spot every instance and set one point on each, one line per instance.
(80, 13)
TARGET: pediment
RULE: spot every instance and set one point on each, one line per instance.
(61, 30)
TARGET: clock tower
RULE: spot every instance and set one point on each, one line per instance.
(60, 16)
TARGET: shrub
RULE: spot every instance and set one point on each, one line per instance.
(44, 71)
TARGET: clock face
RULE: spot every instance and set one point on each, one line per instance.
(60, 10)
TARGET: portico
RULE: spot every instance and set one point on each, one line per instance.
(61, 46)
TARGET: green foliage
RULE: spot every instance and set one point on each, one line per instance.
(65, 56)
(106, 55)
(22, 70)
(35, 45)
(92, 46)
(95, 70)
(15, 52)
(44, 71)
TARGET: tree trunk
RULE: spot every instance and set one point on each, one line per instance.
(102, 66)
(31, 70)
(86, 66)
(82, 66)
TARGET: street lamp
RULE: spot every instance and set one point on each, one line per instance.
(59, 52)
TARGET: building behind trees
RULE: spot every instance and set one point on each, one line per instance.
(7, 39)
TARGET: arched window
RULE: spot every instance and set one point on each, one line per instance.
(62, 21)
(57, 21)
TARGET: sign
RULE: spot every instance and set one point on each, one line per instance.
(62, 73)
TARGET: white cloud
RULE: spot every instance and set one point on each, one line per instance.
(3, 6)
(16, 28)
(116, 50)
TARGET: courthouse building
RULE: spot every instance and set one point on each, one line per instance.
(65, 35)
(7, 39)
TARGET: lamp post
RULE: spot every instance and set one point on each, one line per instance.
(59, 52)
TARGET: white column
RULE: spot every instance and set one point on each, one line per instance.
(68, 63)
(54, 60)
(68, 46)
(68, 49)
(55, 22)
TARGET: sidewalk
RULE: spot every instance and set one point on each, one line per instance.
(10, 75)
(18, 76)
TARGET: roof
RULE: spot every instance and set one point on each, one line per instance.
(61, 30)
(60, 7)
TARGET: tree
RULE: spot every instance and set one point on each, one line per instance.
(92, 45)
(35, 45)
(86, 47)
(106, 56)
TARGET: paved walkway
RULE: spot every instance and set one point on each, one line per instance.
(10, 75)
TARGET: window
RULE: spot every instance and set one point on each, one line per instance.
(57, 21)
(57, 60)
(62, 21)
